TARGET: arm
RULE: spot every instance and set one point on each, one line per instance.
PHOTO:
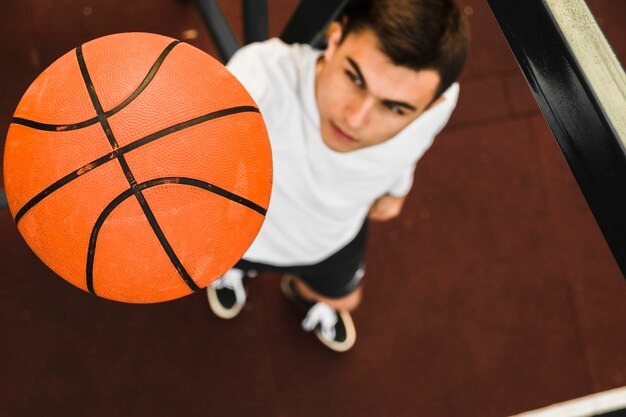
(386, 208)
(389, 205)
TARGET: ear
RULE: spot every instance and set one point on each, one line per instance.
(333, 34)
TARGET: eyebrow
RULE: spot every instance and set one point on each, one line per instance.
(359, 74)
(400, 104)
(356, 69)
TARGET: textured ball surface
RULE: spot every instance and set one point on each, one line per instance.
(138, 168)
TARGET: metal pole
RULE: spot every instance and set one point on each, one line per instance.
(255, 20)
(575, 111)
(225, 39)
(310, 19)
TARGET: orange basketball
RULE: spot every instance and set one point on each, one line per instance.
(138, 168)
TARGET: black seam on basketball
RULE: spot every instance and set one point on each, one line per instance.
(64, 128)
(93, 96)
(53, 128)
(156, 228)
(127, 148)
(104, 122)
(151, 73)
(212, 188)
(91, 251)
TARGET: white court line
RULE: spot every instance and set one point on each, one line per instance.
(602, 402)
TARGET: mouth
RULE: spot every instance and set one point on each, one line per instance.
(340, 134)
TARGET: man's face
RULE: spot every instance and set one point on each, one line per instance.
(362, 97)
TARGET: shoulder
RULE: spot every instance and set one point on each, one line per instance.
(272, 59)
(271, 70)
(275, 50)
(411, 143)
(438, 115)
(270, 48)
(450, 96)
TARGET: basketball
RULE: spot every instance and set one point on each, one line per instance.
(138, 168)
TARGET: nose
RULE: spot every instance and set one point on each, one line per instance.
(358, 112)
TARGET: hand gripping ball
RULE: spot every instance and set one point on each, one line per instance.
(138, 168)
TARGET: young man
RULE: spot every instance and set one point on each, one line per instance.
(347, 126)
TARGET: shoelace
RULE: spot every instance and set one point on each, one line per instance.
(325, 316)
(232, 280)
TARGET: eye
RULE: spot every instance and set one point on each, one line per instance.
(395, 109)
(354, 78)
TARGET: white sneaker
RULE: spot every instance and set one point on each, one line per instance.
(334, 328)
(227, 295)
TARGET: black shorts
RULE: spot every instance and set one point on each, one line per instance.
(334, 277)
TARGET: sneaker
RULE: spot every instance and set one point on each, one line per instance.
(227, 295)
(334, 328)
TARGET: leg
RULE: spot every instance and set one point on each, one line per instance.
(328, 318)
(328, 315)
(328, 291)
(348, 302)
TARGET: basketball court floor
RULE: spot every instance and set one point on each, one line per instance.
(493, 294)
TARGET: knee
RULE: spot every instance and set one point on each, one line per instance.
(351, 301)
(348, 302)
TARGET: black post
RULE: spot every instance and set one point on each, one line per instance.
(3, 200)
(589, 142)
(225, 39)
(255, 20)
(310, 19)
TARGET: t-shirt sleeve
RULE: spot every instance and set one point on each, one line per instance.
(404, 182)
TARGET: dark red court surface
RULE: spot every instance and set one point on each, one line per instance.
(494, 293)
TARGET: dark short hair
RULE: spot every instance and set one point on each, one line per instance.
(418, 34)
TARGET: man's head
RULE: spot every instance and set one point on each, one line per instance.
(417, 34)
(387, 62)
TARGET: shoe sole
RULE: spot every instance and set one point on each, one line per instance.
(350, 334)
(285, 287)
(216, 306)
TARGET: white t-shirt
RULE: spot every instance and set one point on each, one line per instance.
(320, 198)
